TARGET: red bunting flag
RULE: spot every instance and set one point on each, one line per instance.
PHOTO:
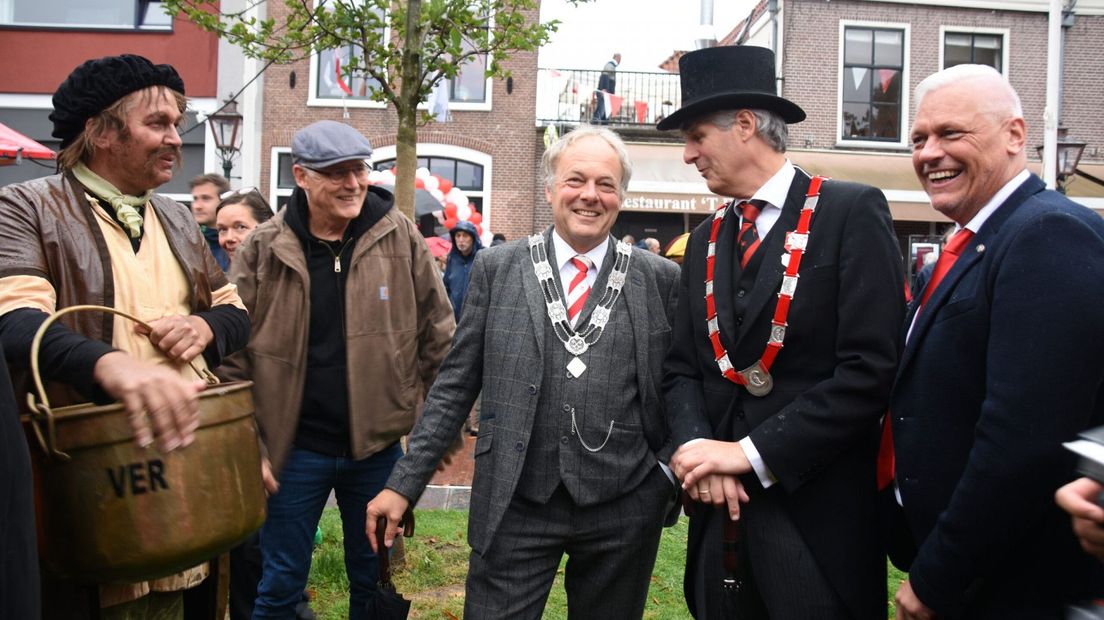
(340, 80)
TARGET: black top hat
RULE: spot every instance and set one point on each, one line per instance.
(729, 77)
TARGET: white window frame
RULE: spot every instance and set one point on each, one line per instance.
(274, 190)
(7, 12)
(313, 100)
(453, 152)
(1005, 33)
(906, 51)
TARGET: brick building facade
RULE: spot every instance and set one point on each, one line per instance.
(494, 136)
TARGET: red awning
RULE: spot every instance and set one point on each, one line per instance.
(15, 146)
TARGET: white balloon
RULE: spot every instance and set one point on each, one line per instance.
(421, 173)
(431, 182)
(457, 195)
(463, 212)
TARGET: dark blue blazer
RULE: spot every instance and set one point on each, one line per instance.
(1004, 363)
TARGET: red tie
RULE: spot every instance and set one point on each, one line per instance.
(577, 290)
(947, 258)
(748, 239)
(887, 462)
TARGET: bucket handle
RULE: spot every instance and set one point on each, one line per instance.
(40, 410)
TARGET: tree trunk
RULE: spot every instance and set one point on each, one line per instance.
(407, 107)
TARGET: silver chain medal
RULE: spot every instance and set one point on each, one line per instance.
(577, 342)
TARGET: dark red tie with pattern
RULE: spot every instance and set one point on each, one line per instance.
(748, 239)
(887, 462)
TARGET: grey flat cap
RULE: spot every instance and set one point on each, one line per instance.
(326, 143)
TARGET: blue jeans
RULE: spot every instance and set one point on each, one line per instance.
(293, 513)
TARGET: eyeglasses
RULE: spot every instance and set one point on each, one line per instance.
(338, 176)
(241, 191)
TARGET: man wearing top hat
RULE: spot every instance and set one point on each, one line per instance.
(784, 347)
(97, 234)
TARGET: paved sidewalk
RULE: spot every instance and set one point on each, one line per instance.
(451, 489)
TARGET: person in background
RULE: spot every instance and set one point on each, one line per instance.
(1002, 363)
(98, 234)
(498, 239)
(465, 245)
(238, 213)
(629, 239)
(350, 323)
(607, 83)
(206, 191)
(652, 245)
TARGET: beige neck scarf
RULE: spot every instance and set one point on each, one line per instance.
(125, 205)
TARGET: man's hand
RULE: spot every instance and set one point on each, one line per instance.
(182, 338)
(699, 458)
(1079, 499)
(158, 401)
(719, 490)
(387, 504)
(909, 607)
(270, 484)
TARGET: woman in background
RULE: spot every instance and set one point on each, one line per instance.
(237, 215)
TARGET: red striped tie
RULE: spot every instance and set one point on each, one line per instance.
(748, 239)
(577, 290)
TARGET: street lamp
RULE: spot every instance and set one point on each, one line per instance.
(224, 127)
(1068, 155)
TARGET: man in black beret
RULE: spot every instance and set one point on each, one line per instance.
(789, 432)
(97, 234)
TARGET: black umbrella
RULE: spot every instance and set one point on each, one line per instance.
(424, 202)
(387, 604)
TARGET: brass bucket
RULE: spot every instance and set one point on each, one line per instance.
(109, 511)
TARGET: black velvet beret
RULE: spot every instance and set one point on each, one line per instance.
(92, 87)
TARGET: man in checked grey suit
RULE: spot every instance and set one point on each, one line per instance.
(572, 431)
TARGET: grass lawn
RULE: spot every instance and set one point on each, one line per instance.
(437, 563)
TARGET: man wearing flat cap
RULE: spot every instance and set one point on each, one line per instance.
(784, 347)
(350, 322)
(97, 234)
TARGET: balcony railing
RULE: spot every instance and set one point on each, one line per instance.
(568, 96)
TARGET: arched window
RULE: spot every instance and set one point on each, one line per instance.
(467, 169)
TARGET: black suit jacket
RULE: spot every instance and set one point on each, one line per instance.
(817, 430)
(1004, 363)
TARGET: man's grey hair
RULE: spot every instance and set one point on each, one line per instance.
(966, 73)
(552, 154)
(768, 125)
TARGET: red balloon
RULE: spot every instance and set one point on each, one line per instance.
(419, 183)
(451, 222)
(479, 229)
(476, 217)
(445, 186)
(450, 211)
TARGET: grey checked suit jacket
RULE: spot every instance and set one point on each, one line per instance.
(499, 349)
